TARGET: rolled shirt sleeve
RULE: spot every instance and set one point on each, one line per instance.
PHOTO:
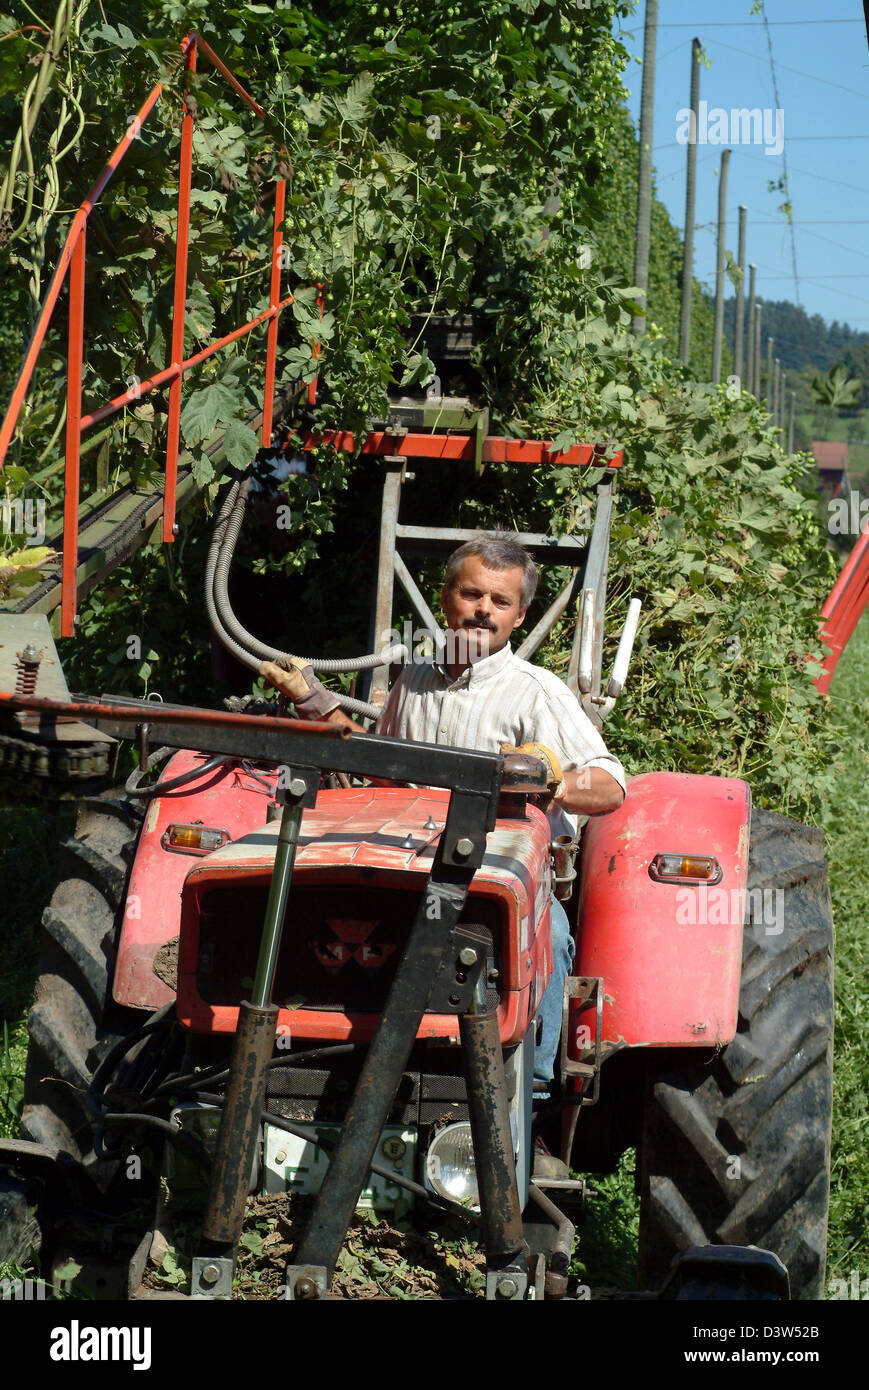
(561, 723)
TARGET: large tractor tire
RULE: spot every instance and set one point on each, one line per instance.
(74, 1021)
(735, 1148)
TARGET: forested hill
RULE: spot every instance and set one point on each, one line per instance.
(801, 340)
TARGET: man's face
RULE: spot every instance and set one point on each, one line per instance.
(485, 604)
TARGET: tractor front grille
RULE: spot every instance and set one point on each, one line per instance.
(311, 1094)
(340, 946)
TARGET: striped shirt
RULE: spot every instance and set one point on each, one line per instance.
(500, 699)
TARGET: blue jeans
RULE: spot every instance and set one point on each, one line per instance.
(551, 1005)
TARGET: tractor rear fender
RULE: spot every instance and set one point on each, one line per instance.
(669, 953)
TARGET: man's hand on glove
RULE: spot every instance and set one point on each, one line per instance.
(554, 775)
(297, 681)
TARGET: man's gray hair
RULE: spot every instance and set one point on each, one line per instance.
(498, 551)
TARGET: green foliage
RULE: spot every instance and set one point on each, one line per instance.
(439, 157)
(605, 1250)
(846, 850)
(836, 391)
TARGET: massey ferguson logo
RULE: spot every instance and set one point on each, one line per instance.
(351, 943)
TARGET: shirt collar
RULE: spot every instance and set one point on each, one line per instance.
(479, 671)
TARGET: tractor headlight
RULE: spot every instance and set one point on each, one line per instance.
(449, 1165)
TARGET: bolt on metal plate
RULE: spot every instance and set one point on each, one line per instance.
(504, 1285)
(306, 1283)
(211, 1277)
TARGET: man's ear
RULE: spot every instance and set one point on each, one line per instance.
(520, 620)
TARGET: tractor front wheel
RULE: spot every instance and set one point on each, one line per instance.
(735, 1147)
(74, 1021)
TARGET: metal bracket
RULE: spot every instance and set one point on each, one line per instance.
(455, 982)
(304, 783)
(306, 1282)
(588, 989)
(211, 1276)
(508, 1285)
(462, 844)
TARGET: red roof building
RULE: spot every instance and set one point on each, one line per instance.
(831, 456)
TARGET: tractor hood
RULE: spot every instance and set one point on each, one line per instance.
(361, 867)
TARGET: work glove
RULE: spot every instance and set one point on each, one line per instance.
(554, 775)
(297, 681)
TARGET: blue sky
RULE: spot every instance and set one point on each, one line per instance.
(822, 76)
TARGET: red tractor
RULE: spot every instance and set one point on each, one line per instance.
(261, 970)
(302, 983)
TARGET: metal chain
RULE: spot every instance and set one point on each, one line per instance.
(60, 762)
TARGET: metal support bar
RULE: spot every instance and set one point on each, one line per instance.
(408, 583)
(282, 873)
(588, 989)
(394, 463)
(179, 311)
(439, 910)
(237, 1137)
(555, 611)
(246, 1089)
(595, 580)
(274, 298)
(299, 744)
(73, 436)
(566, 550)
(555, 1284)
(535, 453)
(493, 1142)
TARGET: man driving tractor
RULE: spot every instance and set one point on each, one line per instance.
(482, 696)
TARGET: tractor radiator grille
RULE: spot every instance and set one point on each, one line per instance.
(339, 950)
(306, 1094)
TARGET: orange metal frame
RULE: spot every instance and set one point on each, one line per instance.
(72, 260)
(841, 612)
(459, 446)
(839, 615)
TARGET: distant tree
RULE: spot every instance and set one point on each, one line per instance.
(835, 391)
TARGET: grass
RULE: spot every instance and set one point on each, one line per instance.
(605, 1249)
(848, 857)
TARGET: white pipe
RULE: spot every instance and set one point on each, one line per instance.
(586, 643)
(626, 646)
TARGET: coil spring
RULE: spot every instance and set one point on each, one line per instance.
(28, 673)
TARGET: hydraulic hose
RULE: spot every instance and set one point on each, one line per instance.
(215, 1076)
(226, 543)
(241, 643)
(132, 788)
(240, 653)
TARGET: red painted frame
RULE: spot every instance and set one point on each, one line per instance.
(842, 610)
(840, 613)
(72, 259)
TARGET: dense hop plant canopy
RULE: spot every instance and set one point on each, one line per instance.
(441, 158)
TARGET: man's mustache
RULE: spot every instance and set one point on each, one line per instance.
(480, 622)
